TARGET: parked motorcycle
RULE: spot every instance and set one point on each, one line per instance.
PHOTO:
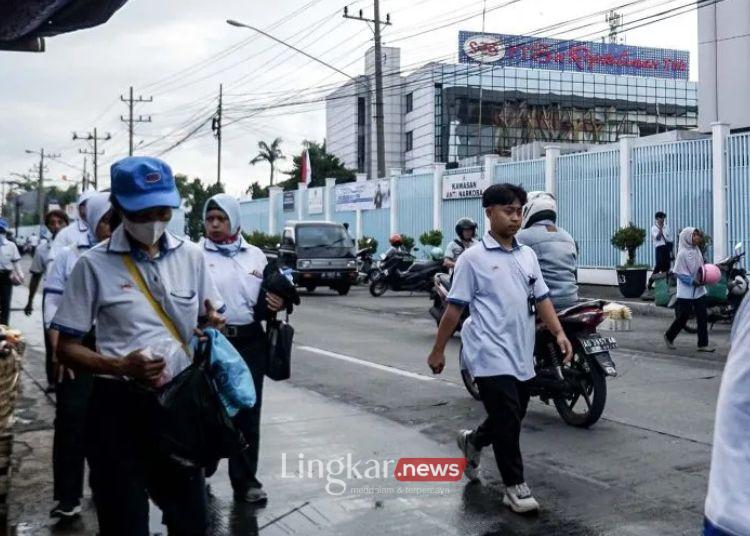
(417, 276)
(366, 265)
(724, 298)
(439, 296)
(578, 389)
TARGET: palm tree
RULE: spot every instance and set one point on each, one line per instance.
(269, 154)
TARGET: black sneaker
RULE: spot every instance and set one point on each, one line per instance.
(66, 510)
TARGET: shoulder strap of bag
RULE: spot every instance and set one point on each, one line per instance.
(158, 309)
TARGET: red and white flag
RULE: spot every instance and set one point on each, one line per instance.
(306, 171)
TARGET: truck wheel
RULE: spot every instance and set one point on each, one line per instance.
(310, 288)
(343, 290)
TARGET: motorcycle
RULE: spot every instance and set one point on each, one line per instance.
(578, 389)
(439, 296)
(724, 298)
(366, 265)
(401, 273)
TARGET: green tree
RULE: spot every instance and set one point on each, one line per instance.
(324, 166)
(195, 195)
(269, 153)
(257, 191)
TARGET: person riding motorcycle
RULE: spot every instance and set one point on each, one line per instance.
(396, 253)
(466, 231)
(554, 247)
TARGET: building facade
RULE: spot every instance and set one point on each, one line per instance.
(508, 91)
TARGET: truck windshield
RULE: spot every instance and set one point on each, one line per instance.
(323, 236)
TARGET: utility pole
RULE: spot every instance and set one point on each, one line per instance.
(216, 127)
(379, 116)
(131, 120)
(95, 138)
(40, 181)
(84, 178)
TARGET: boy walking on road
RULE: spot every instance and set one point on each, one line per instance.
(501, 283)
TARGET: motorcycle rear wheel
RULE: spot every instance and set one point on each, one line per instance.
(468, 379)
(592, 394)
(378, 288)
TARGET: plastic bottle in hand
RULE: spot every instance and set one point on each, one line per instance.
(173, 354)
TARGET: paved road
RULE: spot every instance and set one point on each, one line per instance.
(360, 386)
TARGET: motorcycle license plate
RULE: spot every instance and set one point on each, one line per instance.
(597, 345)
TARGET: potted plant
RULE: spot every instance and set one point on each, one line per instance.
(631, 278)
(431, 239)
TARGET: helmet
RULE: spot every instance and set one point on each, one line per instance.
(465, 223)
(539, 206)
(709, 274)
(738, 286)
(436, 254)
(396, 240)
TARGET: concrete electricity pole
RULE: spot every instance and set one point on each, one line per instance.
(96, 153)
(216, 127)
(131, 120)
(40, 181)
(379, 115)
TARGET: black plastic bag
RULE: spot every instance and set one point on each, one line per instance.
(280, 340)
(192, 426)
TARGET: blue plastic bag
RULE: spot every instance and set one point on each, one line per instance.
(234, 382)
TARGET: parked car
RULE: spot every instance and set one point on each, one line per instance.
(320, 254)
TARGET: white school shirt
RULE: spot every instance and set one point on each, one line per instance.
(101, 290)
(496, 284)
(666, 232)
(57, 278)
(9, 255)
(237, 278)
(40, 261)
(728, 500)
(71, 235)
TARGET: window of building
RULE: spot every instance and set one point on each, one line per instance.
(409, 141)
(409, 102)
(361, 111)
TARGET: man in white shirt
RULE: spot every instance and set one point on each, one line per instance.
(663, 240)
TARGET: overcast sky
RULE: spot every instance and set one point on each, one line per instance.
(168, 49)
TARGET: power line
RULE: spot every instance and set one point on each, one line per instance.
(132, 120)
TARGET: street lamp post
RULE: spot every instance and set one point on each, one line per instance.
(238, 24)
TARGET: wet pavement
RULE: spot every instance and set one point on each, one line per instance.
(360, 389)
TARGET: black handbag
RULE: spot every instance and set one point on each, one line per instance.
(280, 341)
(192, 426)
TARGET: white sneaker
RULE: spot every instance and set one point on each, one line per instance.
(472, 454)
(519, 499)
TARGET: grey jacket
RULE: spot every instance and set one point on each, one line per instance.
(558, 258)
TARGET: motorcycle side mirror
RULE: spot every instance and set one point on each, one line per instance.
(738, 247)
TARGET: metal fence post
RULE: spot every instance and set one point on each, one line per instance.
(394, 174)
(552, 152)
(626, 211)
(359, 228)
(437, 195)
(273, 194)
(301, 200)
(719, 134)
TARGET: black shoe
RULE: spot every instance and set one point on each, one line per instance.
(251, 496)
(66, 510)
(50, 389)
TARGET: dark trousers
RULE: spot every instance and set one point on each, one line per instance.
(684, 309)
(48, 365)
(663, 262)
(126, 468)
(69, 446)
(6, 293)
(505, 399)
(254, 349)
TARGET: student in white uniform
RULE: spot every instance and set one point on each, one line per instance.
(73, 388)
(501, 282)
(9, 270)
(72, 234)
(55, 221)
(237, 269)
(728, 501)
(104, 289)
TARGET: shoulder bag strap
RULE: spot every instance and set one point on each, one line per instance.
(158, 309)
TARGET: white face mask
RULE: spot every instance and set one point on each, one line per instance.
(147, 233)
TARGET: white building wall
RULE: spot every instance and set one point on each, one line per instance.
(341, 124)
(421, 120)
(723, 51)
(392, 108)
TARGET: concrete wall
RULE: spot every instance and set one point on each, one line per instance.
(341, 124)
(392, 108)
(723, 51)
(420, 121)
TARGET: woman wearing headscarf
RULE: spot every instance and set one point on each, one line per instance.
(73, 389)
(237, 269)
(691, 295)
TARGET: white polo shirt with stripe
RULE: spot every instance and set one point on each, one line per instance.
(495, 284)
(101, 291)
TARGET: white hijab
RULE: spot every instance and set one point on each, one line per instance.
(689, 257)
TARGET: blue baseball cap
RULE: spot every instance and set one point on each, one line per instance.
(142, 182)
(4, 226)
